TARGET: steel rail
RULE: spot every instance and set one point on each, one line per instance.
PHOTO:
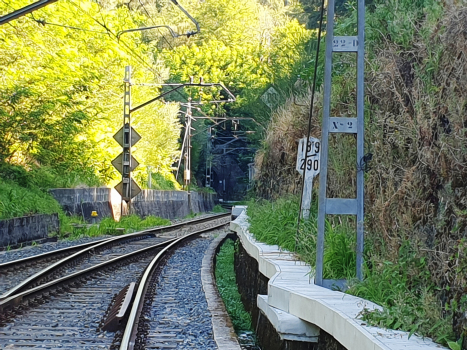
(30, 259)
(28, 282)
(16, 299)
(131, 329)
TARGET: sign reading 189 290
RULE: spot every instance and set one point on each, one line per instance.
(312, 149)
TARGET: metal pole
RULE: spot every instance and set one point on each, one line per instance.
(149, 177)
(360, 134)
(324, 144)
(188, 165)
(126, 163)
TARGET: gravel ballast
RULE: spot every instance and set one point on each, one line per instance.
(179, 306)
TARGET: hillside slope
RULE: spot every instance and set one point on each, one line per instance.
(416, 130)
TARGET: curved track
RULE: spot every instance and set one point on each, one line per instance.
(68, 312)
(20, 275)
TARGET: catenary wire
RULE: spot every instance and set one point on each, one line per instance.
(310, 118)
(150, 17)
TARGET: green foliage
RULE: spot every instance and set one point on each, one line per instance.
(275, 223)
(164, 183)
(129, 224)
(398, 21)
(16, 201)
(407, 295)
(246, 45)
(218, 209)
(227, 286)
(455, 345)
(60, 107)
(339, 254)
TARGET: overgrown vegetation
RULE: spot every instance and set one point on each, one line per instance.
(403, 288)
(227, 286)
(275, 223)
(108, 226)
(18, 201)
(415, 205)
(218, 209)
(60, 108)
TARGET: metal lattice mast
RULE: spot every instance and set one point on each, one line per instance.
(342, 206)
(126, 173)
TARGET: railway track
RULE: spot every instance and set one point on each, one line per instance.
(20, 275)
(69, 311)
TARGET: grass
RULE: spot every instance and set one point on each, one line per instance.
(409, 298)
(108, 226)
(164, 182)
(275, 223)
(218, 209)
(403, 287)
(227, 286)
(16, 201)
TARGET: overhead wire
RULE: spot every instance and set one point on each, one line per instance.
(44, 22)
(112, 34)
(310, 117)
(150, 17)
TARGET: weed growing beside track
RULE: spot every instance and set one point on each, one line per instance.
(410, 299)
(127, 224)
(227, 286)
(275, 223)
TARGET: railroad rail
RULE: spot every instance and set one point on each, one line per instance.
(38, 314)
(23, 274)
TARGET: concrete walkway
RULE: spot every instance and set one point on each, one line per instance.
(291, 290)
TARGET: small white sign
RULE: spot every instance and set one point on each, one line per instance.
(270, 97)
(345, 44)
(312, 163)
(343, 125)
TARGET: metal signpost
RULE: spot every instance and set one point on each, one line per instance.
(342, 206)
(127, 137)
(310, 166)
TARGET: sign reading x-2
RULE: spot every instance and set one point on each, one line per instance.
(308, 162)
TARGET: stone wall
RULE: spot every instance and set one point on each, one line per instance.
(251, 283)
(27, 229)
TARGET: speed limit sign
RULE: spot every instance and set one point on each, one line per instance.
(312, 149)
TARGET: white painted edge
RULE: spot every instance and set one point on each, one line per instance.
(291, 289)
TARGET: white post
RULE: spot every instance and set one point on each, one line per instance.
(307, 195)
(309, 168)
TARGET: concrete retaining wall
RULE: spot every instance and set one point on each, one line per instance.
(171, 204)
(252, 282)
(106, 201)
(291, 292)
(82, 201)
(27, 229)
